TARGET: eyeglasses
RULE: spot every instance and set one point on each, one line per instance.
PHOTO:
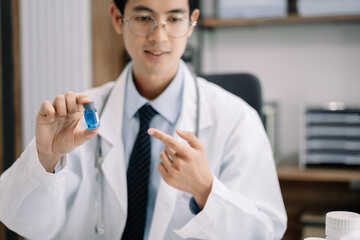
(144, 25)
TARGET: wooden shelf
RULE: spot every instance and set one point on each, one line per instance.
(289, 171)
(294, 18)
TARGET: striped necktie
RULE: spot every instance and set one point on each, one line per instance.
(138, 178)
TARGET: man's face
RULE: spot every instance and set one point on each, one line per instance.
(157, 53)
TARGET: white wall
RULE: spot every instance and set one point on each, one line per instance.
(296, 64)
(55, 42)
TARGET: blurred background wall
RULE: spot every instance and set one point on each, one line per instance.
(55, 53)
(297, 64)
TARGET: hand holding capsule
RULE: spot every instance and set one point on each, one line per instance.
(58, 128)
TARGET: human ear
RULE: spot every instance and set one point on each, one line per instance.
(194, 17)
(116, 18)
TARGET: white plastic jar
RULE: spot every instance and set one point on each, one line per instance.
(341, 225)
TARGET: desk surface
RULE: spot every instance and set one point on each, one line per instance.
(290, 171)
(316, 189)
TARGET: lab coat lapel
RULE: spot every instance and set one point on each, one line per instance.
(111, 133)
(166, 197)
(164, 208)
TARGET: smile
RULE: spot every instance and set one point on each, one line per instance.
(155, 54)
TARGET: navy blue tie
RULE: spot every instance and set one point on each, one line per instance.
(138, 178)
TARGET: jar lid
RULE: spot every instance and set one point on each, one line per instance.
(89, 105)
(341, 220)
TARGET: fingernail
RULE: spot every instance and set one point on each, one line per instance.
(52, 119)
(151, 131)
(86, 100)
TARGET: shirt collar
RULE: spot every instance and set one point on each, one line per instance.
(168, 104)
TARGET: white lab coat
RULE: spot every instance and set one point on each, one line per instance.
(245, 201)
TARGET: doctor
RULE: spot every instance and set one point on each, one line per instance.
(220, 184)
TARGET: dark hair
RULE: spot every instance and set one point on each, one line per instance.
(193, 4)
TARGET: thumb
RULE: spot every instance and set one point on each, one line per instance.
(85, 135)
(190, 138)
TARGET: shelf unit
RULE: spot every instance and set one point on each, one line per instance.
(208, 23)
(214, 22)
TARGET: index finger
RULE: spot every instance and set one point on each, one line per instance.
(168, 140)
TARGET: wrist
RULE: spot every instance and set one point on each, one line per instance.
(48, 162)
(202, 194)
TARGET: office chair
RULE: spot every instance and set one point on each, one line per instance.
(244, 85)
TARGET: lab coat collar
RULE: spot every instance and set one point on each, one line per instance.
(167, 104)
(111, 119)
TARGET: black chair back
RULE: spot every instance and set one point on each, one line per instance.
(244, 85)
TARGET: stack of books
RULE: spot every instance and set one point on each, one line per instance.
(251, 9)
(328, 7)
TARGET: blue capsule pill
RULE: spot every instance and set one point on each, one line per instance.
(91, 115)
